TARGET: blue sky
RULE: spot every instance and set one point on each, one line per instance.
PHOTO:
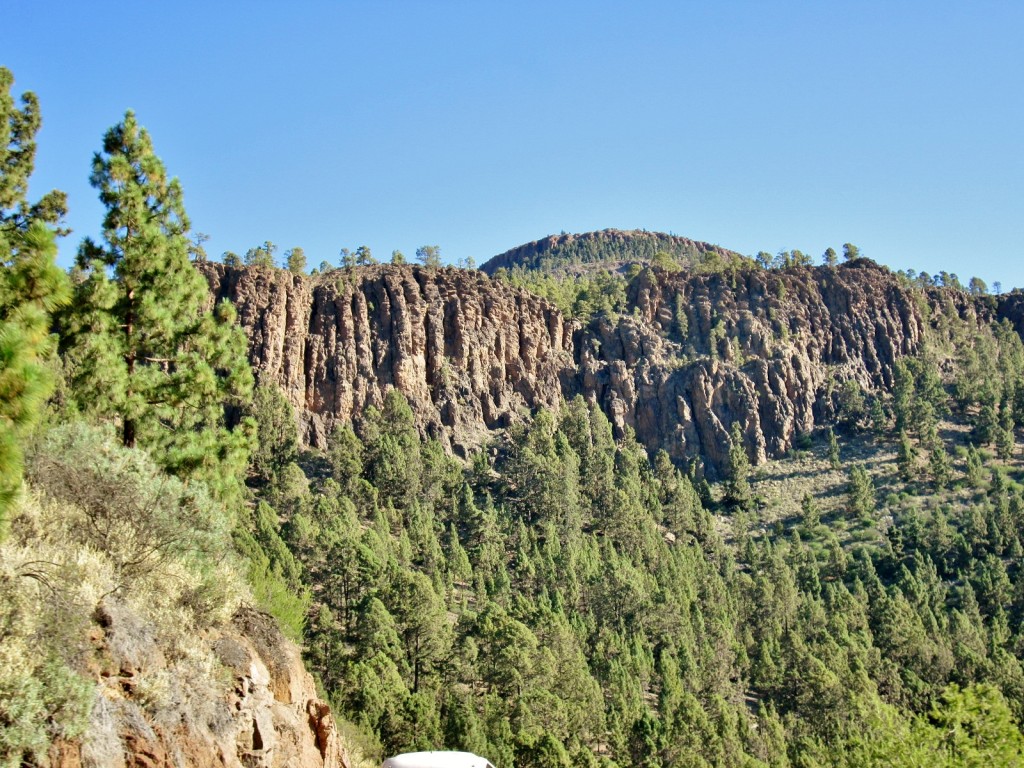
(478, 126)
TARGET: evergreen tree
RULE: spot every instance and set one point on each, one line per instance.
(860, 493)
(833, 449)
(905, 457)
(196, 246)
(429, 256)
(277, 438)
(261, 255)
(939, 467)
(18, 128)
(147, 354)
(296, 261)
(31, 285)
(737, 484)
(364, 257)
(810, 514)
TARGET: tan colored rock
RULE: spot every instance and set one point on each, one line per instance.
(265, 714)
(468, 353)
(693, 353)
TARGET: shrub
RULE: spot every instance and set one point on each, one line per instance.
(126, 507)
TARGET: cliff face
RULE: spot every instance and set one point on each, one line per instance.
(265, 714)
(468, 353)
(763, 347)
(693, 353)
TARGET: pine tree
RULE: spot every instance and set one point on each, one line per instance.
(861, 493)
(18, 129)
(833, 449)
(146, 352)
(905, 457)
(810, 514)
(940, 467)
(296, 261)
(429, 256)
(31, 284)
(737, 484)
(261, 255)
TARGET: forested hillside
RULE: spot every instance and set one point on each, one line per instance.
(632, 500)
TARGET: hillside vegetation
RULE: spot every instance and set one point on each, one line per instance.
(713, 512)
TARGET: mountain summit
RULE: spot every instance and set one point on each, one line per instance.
(579, 253)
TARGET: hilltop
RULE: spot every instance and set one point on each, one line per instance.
(607, 249)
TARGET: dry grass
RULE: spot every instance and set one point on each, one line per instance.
(780, 485)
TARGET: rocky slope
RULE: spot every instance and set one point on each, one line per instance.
(268, 714)
(693, 353)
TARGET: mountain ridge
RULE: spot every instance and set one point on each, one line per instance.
(588, 250)
(692, 352)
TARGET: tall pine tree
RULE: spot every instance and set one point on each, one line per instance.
(31, 284)
(148, 355)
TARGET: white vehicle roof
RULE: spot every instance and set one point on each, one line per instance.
(437, 760)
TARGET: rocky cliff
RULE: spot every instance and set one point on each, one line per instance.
(692, 353)
(468, 353)
(265, 714)
(698, 352)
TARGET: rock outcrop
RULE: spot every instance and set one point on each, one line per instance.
(265, 712)
(470, 354)
(766, 348)
(692, 353)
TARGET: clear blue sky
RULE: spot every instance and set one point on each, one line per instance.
(481, 125)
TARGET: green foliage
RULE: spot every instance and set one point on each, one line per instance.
(566, 599)
(429, 256)
(18, 128)
(277, 438)
(39, 700)
(906, 457)
(295, 260)
(583, 297)
(833, 449)
(940, 467)
(131, 511)
(665, 261)
(737, 483)
(146, 354)
(860, 494)
(103, 533)
(261, 255)
(851, 404)
(273, 571)
(32, 287)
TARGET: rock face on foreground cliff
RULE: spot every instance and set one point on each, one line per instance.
(268, 716)
(692, 353)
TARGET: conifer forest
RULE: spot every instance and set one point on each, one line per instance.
(610, 499)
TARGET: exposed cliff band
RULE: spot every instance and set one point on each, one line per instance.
(694, 353)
